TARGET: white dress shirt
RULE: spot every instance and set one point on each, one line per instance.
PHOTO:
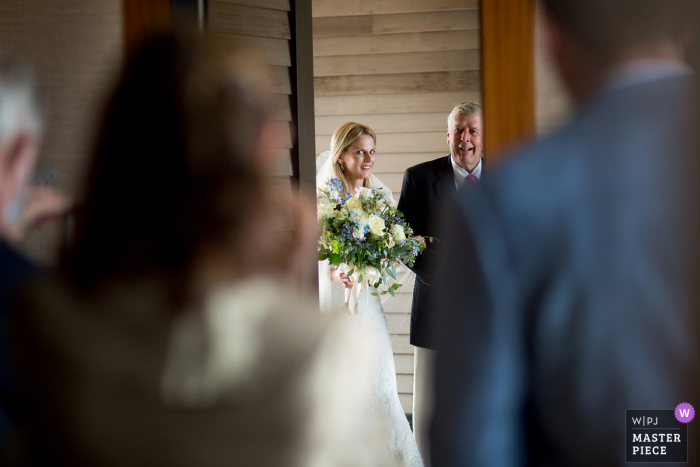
(461, 172)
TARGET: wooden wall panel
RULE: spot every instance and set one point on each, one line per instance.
(385, 123)
(412, 62)
(273, 51)
(249, 21)
(402, 345)
(271, 4)
(406, 402)
(284, 167)
(421, 22)
(280, 105)
(282, 134)
(404, 383)
(388, 43)
(364, 7)
(398, 83)
(264, 25)
(224, 9)
(399, 66)
(399, 23)
(397, 163)
(279, 80)
(399, 143)
(403, 363)
(393, 103)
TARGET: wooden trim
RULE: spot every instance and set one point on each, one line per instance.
(302, 106)
(142, 18)
(508, 72)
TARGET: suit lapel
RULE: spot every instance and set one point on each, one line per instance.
(444, 184)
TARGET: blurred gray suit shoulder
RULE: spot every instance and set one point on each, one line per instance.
(581, 242)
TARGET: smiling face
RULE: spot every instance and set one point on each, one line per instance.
(359, 159)
(465, 138)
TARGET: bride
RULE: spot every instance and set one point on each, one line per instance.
(351, 160)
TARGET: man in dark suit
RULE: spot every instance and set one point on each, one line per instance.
(567, 267)
(426, 189)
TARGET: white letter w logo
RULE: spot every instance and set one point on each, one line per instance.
(684, 412)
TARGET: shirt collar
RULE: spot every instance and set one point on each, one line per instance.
(460, 172)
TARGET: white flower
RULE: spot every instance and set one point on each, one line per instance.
(353, 203)
(359, 233)
(340, 214)
(390, 243)
(380, 205)
(364, 193)
(391, 201)
(362, 217)
(325, 210)
(376, 225)
(398, 233)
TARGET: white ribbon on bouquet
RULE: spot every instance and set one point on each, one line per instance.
(370, 275)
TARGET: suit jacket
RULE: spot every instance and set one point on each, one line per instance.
(427, 188)
(576, 307)
(15, 269)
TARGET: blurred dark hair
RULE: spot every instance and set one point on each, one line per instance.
(173, 167)
(607, 26)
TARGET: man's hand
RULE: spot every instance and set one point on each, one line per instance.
(44, 205)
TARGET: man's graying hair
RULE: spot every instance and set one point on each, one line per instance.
(465, 108)
(19, 101)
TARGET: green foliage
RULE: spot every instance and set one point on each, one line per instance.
(365, 231)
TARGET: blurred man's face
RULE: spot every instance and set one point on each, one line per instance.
(465, 138)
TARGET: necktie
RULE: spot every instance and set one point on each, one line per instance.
(470, 179)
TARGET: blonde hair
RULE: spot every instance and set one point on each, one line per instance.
(465, 108)
(343, 137)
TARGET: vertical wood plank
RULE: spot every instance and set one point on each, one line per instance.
(508, 44)
(304, 150)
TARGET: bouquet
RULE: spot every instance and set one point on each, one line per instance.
(365, 235)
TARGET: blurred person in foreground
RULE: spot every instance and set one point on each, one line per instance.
(174, 337)
(574, 257)
(22, 206)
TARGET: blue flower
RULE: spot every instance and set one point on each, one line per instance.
(335, 184)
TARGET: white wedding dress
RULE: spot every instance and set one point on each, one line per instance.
(400, 446)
